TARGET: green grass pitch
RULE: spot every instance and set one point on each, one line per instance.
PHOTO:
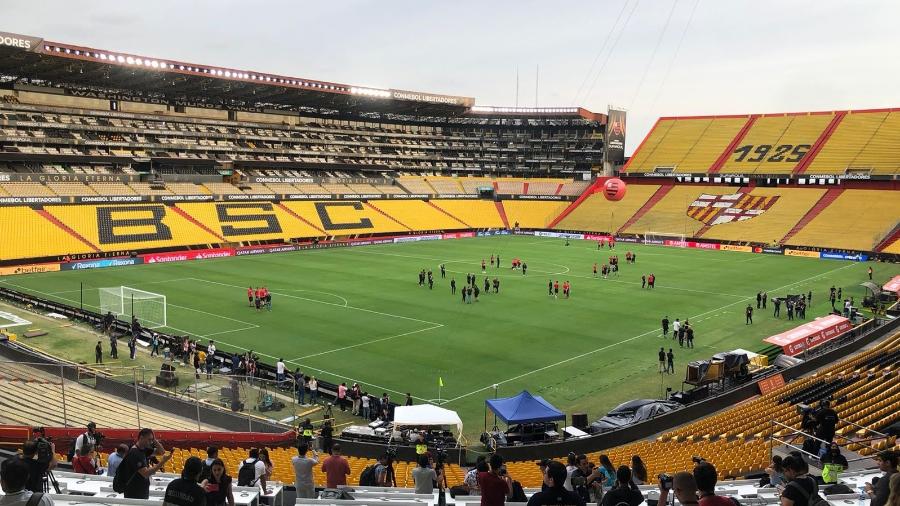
(358, 314)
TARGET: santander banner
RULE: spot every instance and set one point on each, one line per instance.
(810, 335)
(180, 256)
(458, 235)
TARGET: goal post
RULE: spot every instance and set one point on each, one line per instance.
(651, 237)
(149, 308)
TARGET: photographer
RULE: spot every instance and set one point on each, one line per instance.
(826, 421)
(39, 455)
(133, 476)
(425, 477)
(682, 485)
(84, 463)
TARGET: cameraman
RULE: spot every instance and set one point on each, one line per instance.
(827, 420)
(37, 461)
(90, 437)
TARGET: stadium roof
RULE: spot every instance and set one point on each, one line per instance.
(32, 60)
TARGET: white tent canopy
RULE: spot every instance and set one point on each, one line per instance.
(426, 414)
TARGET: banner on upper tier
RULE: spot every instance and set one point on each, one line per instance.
(801, 253)
(100, 264)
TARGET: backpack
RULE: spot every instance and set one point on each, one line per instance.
(35, 499)
(247, 474)
(207, 471)
(120, 481)
(367, 477)
(811, 500)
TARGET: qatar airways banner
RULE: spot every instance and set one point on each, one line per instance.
(261, 250)
(180, 256)
(809, 335)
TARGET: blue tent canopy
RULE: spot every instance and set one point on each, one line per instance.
(524, 408)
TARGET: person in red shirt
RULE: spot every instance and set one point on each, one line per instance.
(258, 295)
(651, 281)
(495, 484)
(556, 289)
(84, 462)
(335, 468)
(250, 295)
(566, 287)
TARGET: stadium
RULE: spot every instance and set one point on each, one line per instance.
(244, 260)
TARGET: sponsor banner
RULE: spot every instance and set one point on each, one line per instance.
(299, 196)
(457, 235)
(68, 178)
(100, 264)
(265, 249)
(93, 199)
(183, 198)
(801, 253)
(456, 196)
(362, 196)
(23, 42)
(597, 237)
(178, 256)
(411, 196)
(28, 269)
(893, 285)
(431, 98)
(488, 233)
(541, 233)
(538, 197)
(837, 255)
(417, 238)
(729, 247)
(344, 244)
(631, 240)
(670, 174)
(246, 196)
(520, 232)
(770, 384)
(853, 175)
(325, 180)
(691, 244)
(809, 335)
(615, 136)
(32, 200)
(770, 251)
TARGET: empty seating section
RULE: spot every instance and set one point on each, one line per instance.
(186, 188)
(311, 189)
(27, 234)
(112, 189)
(415, 185)
(20, 385)
(597, 214)
(774, 223)
(146, 189)
(131, 226)
(255, 188)
(471, 184)
(863, 140)
(857, 219)
(446, 186)
(27, 190)
(532, 214)
(543, 187)
(893, 248)
(246, 221)
(71, 189)
(222, 188)
(670, 215)
(574, 188)
(514, 187)
(417, 215)
(688, 144)
(281, 188)
(474, 213)
(339, 218)
(775, 144)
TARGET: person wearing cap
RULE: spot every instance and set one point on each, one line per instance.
(552, 490)
(89, 437)
(186, 491)
(879, 491)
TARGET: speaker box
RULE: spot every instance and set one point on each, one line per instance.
(166, 381)
(580, 421)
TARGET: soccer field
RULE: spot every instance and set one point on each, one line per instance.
(358, 314)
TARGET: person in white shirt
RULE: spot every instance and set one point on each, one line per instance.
(279, 370)
(303, 472)
(675, 327)
(211, 349)
(364, 402)
(259, 470)
(313, 390)
(13, 478)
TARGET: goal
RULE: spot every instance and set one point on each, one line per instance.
(662, 237)
(149, 308)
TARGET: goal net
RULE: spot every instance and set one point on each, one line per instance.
(149, 308)
(662, 237)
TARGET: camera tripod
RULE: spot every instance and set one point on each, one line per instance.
(48, 480)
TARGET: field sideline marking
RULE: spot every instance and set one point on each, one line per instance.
(328, 303)
(357, 345)
(582, 355)
(566, 274)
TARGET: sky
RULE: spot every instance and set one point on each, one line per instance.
(652, 57)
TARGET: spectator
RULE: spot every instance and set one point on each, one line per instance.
(218, 486)
(878, 491)
(313, 390)
(625, 490)
(336, 468)
(705, 477)
(586, 479)
(638, 470)
(342, 396)
(409, 399)
(252, 471)
(36, 469)
(571, 467)
(84, 462)
(115, 458)
(300, 383)
(684, 487)
(270, 467)
(553, 492)
(800, 489)
(470, 482)
(279, 370)
(89, 437)
(212, 453)
(186, 491)
(608, 471)
(775, 472)
(303, 472)
(894, 485)
(13, 478)
(424, 476)
(495, 484)
(355, 394)
(381, 471)
(327, 433)
(833, 464)
(135, 470)
(364, 405)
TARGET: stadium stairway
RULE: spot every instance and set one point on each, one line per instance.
(292, 214)
(823, 202)
(69, 230)
(820, 142)
(191, 219)
(502, 212)
(656, 197)
(889, 239)
(441, 209)
(386, 215)
(726, 153)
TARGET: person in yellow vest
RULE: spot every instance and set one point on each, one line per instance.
(421, 445)
(306, 432)
(833, 464)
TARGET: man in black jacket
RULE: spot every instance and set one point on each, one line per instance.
(554, 493)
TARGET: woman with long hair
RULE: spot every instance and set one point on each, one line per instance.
(270, 468)
(218, 486)
(775, 471)
(638, 470)
(894, 487)
(608, 470)
(625, 491)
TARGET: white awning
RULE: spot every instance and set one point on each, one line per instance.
(426, 415)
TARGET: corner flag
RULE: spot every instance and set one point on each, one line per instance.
(440, 381)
